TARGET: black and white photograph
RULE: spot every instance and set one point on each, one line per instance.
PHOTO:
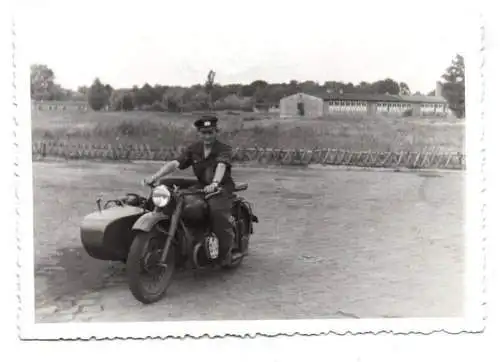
(239, 167)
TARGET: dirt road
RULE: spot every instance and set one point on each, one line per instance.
(330, 243)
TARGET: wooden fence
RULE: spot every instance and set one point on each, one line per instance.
(334, 157)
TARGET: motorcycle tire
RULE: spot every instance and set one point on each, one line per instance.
(136, 266)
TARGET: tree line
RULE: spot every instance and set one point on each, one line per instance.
(214, 96)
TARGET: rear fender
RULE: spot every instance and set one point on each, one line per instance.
(148, 221)
(247, 209)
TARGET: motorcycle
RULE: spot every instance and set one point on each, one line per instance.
(165, 231)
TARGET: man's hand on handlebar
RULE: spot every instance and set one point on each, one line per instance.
(148, 181)
(211, 188)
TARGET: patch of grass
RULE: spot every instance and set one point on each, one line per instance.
(243, 129)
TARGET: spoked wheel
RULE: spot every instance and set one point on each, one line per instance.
(148, 281)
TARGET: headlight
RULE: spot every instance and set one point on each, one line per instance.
(161, 196)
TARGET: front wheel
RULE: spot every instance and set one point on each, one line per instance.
(148, 281)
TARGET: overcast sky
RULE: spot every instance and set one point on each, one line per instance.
(175, 42)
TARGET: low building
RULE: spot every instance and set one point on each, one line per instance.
(320, 105)
(302, 104)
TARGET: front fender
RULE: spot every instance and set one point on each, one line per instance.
(147, 221)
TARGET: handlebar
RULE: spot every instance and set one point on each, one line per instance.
(151, 184)
(188, 192)
(198, 192)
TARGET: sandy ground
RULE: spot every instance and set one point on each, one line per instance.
(330, 243)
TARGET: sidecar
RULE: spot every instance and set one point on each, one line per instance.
(106, 234)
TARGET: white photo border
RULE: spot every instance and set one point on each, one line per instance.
(473, 321)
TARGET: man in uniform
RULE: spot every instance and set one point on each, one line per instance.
(211, 162)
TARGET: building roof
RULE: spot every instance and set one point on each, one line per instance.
(379, 97)
(423, 99)
(362, 97)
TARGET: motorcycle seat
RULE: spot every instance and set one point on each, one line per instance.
(240, 187)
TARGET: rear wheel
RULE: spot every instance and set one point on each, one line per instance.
(148, 281)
